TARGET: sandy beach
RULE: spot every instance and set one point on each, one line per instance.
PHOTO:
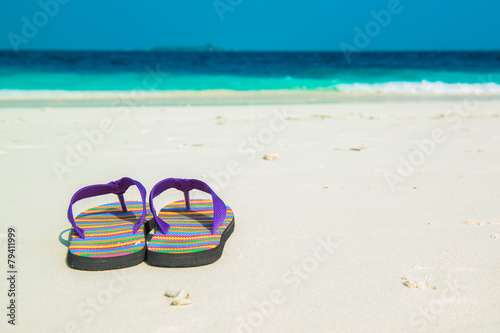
(375, 217)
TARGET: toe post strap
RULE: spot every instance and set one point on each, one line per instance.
(186, 185)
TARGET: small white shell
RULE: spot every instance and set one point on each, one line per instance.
(182, 298)
(270, 157)
(417, 284)
(360, 148)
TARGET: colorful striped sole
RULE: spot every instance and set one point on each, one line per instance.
(189, 238)
(108, 231)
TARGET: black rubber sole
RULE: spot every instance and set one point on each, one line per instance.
(190, 259)
(103, 264)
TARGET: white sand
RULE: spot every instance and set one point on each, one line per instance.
(276, 273)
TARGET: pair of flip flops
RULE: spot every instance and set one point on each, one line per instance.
(189, 232)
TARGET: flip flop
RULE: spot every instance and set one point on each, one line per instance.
(191, 232)
(108, 236)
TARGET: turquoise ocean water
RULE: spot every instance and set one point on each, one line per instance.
(380, 72)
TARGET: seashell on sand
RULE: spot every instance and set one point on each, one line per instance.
(360, 148)
(417, 284)
(270, 157)
(182, 298)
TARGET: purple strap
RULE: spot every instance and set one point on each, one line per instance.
(186, 185)
(119, 187)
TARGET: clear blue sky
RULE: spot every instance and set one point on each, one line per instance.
(250, 24)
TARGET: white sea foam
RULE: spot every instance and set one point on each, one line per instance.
(423, 87)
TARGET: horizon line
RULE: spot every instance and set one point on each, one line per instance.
(245, 51)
